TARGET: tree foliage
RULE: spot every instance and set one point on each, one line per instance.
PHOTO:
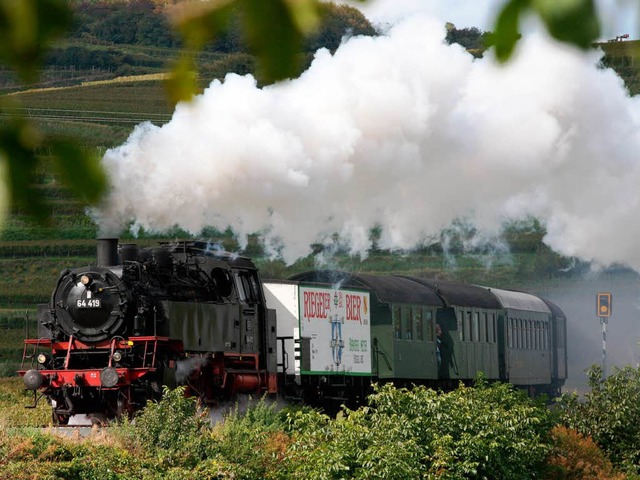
(471, 38)
(141, 22)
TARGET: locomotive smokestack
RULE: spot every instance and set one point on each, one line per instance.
(107, 252)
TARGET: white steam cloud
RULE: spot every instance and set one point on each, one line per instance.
(401, 131)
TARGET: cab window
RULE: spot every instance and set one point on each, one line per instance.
(247, 287)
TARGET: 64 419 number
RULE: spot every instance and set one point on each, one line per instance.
(90, 303)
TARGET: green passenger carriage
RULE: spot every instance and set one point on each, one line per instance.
(421, 331)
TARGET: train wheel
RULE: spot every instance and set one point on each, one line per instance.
(121, 410)
(59, 419)
(124, 408)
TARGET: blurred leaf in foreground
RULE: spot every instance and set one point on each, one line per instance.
(571, 21)
(26, 28)
(274, 31)
(80, 171)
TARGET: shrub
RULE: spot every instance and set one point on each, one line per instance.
(490, 431)
(36, 454)
(171, 430)
(250, 445)
(576, 457)
(609, 414)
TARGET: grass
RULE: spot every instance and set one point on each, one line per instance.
(13, 399)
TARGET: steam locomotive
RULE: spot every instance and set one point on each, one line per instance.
(186, 313)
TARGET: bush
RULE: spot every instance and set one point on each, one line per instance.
(171, 430)
(609, 413)
(576, 457)
(36, 454)
(250, 445)
(490, 431)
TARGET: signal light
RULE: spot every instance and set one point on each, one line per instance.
(603, 304)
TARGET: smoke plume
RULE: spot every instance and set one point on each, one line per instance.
(403, 132)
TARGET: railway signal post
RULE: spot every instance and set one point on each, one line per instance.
(603, 310)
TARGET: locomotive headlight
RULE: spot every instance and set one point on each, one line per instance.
(43, 359)
(85, 280)
(117, 356)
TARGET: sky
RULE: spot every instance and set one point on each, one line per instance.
(617, 16)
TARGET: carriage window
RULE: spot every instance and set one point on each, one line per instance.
(483, 327)
(419, 326)
(545, 336)
(559, 332)
(408, 324)
(532, 330)
(530, 322)
(428, 320)
(532, 334)
(510, 333)
(467, 327)
(460, 325)
(476, 326)
(397, 328)
(492, 328)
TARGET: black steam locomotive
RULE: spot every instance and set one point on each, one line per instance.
(187, 313)
(115, 333)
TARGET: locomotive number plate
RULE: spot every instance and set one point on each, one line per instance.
(89, 303)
